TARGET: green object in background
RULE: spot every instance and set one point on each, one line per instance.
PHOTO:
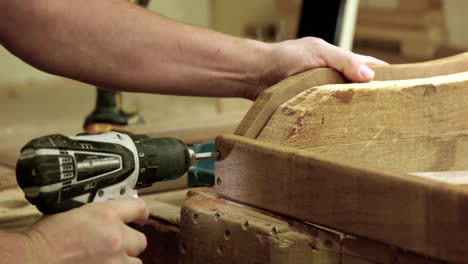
(202, 173)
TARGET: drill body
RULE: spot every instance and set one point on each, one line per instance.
(58, 173)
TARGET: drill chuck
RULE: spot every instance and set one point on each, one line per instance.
(161, 159)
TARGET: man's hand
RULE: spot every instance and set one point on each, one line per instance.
(294, 56)
(95, 233)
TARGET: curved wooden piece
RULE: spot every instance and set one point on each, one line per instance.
(409, 125)
(270, 99)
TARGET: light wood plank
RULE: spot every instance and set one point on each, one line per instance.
(270, 99)
(410, 126)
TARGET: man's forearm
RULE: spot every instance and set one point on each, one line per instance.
(115, 44)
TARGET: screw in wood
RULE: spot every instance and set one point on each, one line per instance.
(246, 224)
(217, 215)
(275, 230)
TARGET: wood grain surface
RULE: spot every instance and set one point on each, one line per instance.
(217, 230)
(415, 213)
(410, 125)
(270, 99)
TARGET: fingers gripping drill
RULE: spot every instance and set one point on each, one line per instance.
(58, 173)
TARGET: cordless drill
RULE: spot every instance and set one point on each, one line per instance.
(58, 173)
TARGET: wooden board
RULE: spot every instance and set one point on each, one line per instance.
(413, 42)
(270, 99)
(410, 126)
(162, 230)
(417, 36)
(415, 213)
(405, 17)
(163, 241)
(216, 230)
(418, 5)
(166, 206)
(363, 251)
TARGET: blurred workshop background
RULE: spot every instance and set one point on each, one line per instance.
(34, 103)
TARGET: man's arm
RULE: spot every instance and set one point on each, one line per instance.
(115, 44)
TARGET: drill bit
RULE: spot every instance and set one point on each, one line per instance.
(207, 155)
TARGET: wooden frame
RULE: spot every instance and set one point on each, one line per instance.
(216, 230)
(418, 214)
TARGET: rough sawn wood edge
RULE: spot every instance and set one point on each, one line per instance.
(270, 99)
(403, 125)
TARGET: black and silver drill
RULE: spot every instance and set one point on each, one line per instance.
(58, 173)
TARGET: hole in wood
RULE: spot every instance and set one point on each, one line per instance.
(195, 218)
(227, 234)
(275, 230)
(221, 250)
(218, 181)
(184, 212)
(328, 243)
(246, 224)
